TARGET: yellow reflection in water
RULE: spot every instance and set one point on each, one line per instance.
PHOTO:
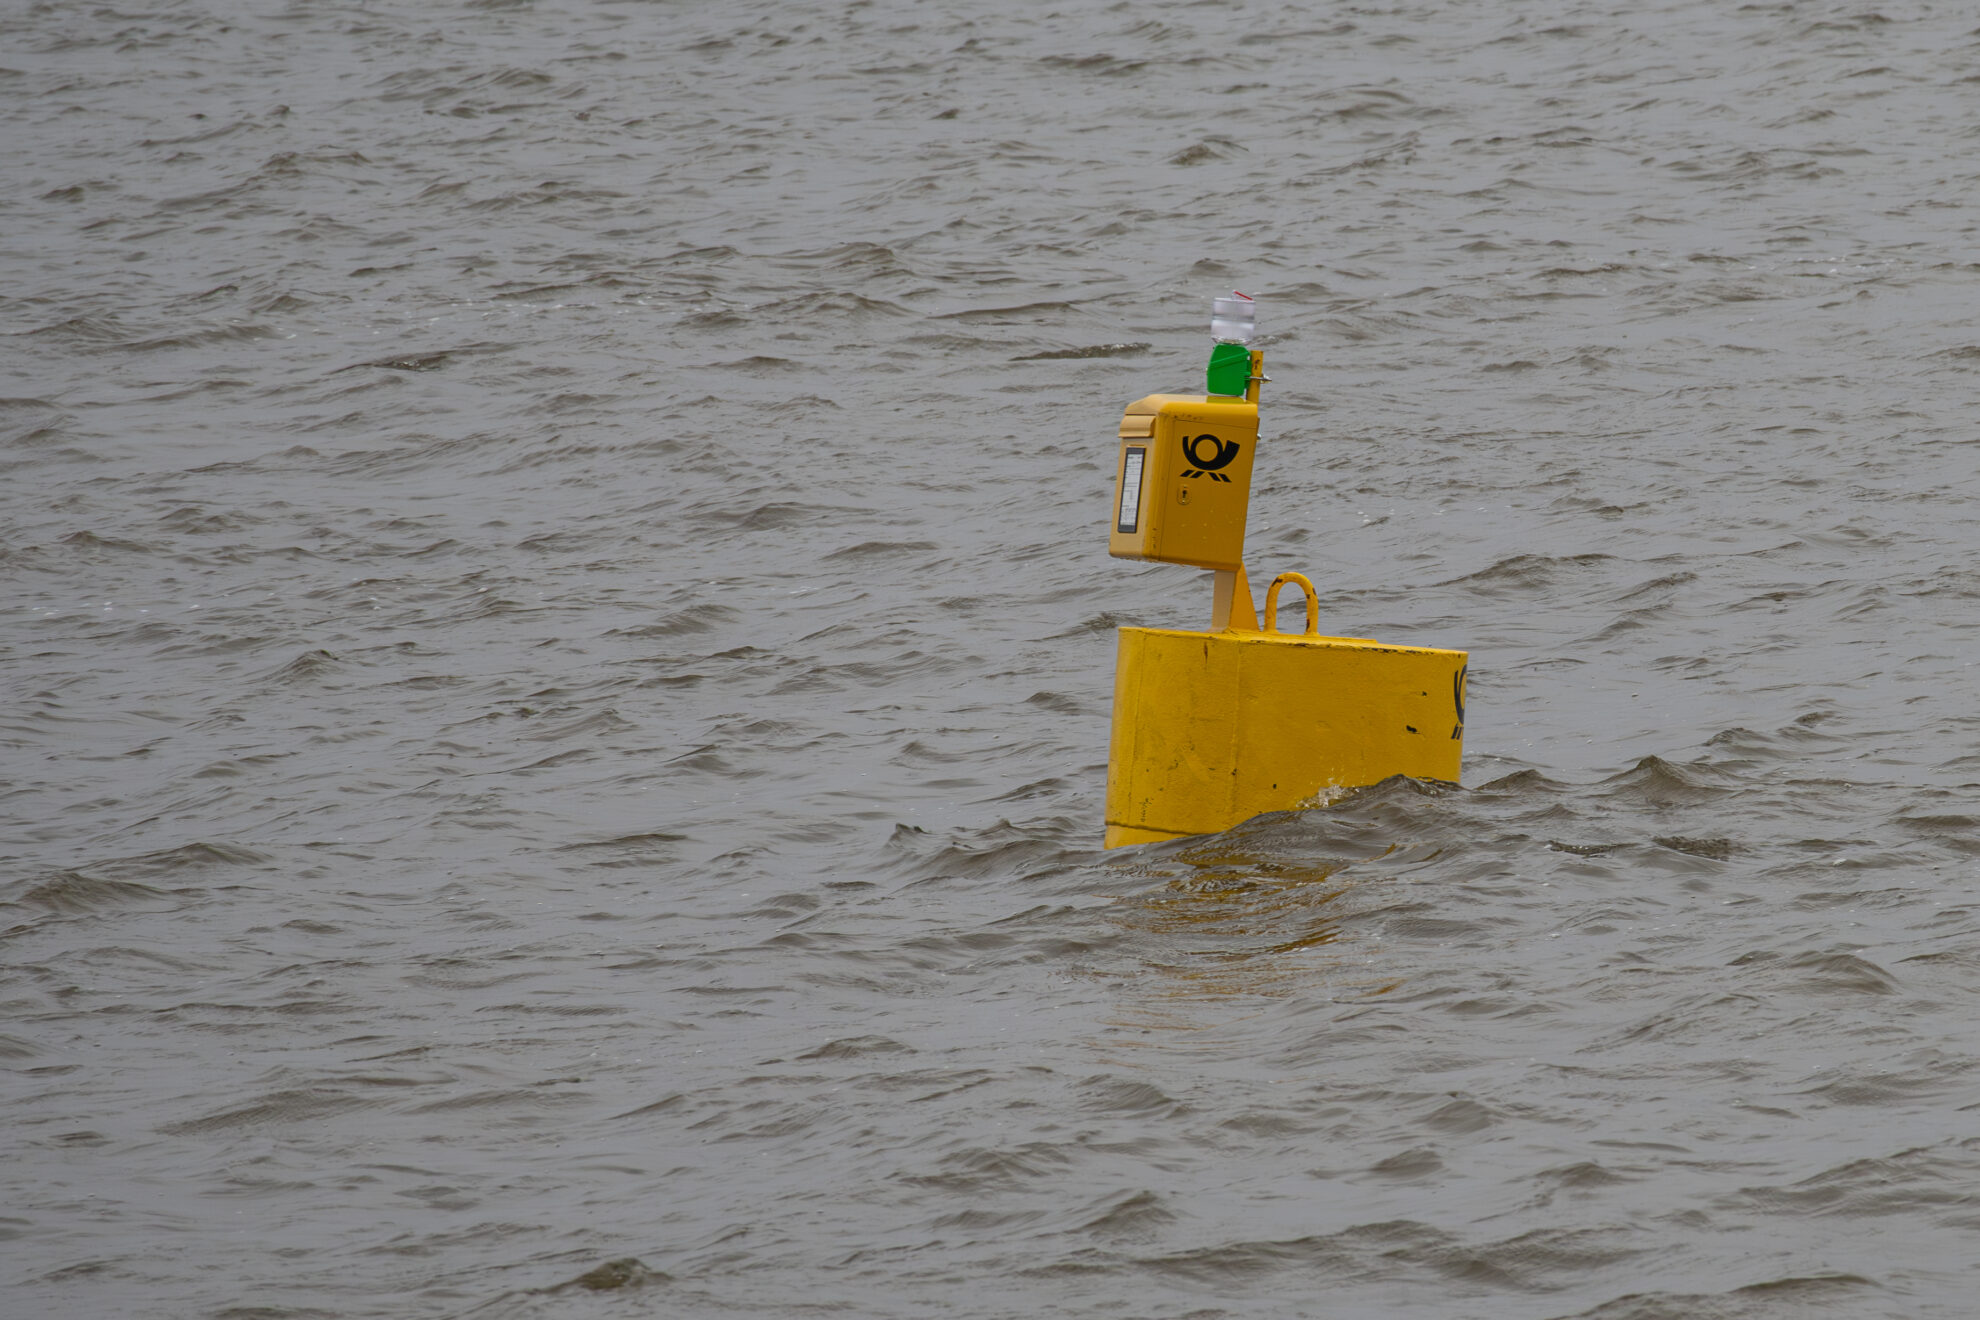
(1231, 930)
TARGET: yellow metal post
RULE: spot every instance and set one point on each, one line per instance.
(1230, 602)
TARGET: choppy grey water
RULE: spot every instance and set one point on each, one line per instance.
(558, 643)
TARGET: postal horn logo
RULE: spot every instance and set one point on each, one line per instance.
(1206, 464)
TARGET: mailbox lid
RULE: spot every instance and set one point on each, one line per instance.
(1150, 404)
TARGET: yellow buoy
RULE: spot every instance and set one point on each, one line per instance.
(1212, 728)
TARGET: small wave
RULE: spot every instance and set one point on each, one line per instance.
(827, 306)
(1717, 850)
(286, 1108)
(1027, 314)
(88, 540)
(77, 893)
(1131, 1216)
(760, 364)
(86, 330)
(408, 362)
(857, 1047)
(307, 667)
(1215, 147)
(881, 549)
(706, 617)
(1653, 781)
(615, 1276)
(868, 261)
(1090, 351)
(1842, 971)
(1101, 65)
(1529, 572)
(980, 1169)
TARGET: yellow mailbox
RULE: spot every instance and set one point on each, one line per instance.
(1183, 480)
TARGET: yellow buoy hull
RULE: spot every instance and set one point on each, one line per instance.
(1213, 728)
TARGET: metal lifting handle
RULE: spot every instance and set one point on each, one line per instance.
(1312, 603)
